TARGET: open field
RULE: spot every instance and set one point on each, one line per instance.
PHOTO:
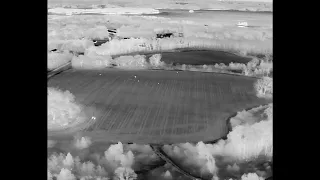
(157, 106)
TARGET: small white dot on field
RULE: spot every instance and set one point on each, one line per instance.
(158, 83)
(99, 74)
(135, 76)
(177, 72)
(138, 80)
(94, 118)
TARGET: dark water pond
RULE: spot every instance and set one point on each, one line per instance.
(202, 57)
(196, 57)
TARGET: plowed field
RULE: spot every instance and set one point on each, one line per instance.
(155, 106)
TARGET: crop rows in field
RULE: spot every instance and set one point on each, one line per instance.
(158, 105)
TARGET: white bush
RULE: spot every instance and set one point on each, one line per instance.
(264, 86)
(91, 62)
(56, 60)
(62, 108)
(123, 173)
(99, 32)
(49, 175)
(82, 143)
(78, 46)
(251, 176)
(65, 174)
(131, 62)
(155, 61)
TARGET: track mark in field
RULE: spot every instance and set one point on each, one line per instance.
(194, 118)
(103, 120)
(167, 108)
(161, 111)
(197, 89)
(108, 124)
(83, 84)
(144, 121)
(123, 109)
(148, 122)
(104, 88)
(139, 123)
(135, 115)
(128, 117)
(166, 119)
(105, 99)
(132, 124)
(171, 111)
(111, 101)
(121, 118)
(114, 90)
(157, 119)
(214, 93)
(89, 124)
(191, 129)
(219, 92)
(181, 126)
(182, 102)
(205, 97)
(113, 118)
(156, 115)
(176, 116)
(93, 95)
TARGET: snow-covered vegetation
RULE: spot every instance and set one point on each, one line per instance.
(71, 11)
(76, 34)
(91, 62)
(240, 5)
(62, 108)
(123, 46)
(264, 86)
(116, 162)
(57, 59)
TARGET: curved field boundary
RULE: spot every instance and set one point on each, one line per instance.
(156, 106)
(157, 149)
(58, 70)
(161, 154)
(190, 56)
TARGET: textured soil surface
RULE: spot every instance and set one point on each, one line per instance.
(154, 106)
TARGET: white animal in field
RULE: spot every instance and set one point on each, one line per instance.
(242, 24)
(191, 11)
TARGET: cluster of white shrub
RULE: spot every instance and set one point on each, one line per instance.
(62, 108)
(255, 67)
(117, 163)
(58, 59)
(123, 46)
(264, 86)
(92, 27)
(122, 10)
